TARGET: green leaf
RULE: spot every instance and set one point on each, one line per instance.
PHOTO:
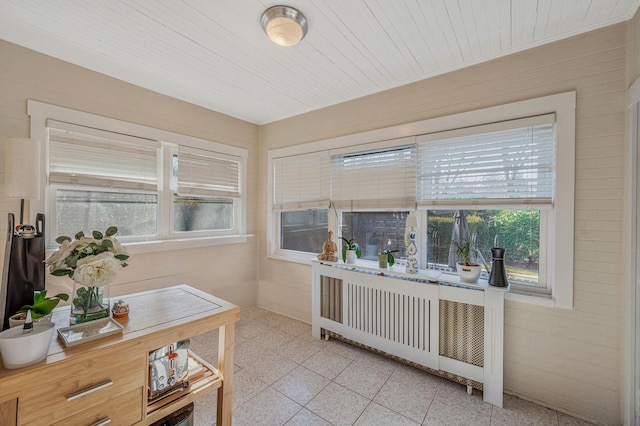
(72, 261)
(60, 272)
(349, 243)
(357, 249)
(79, 235)
(97, 235)
(42, 305)
(344, 254)
(112, 230)
(121, 256)
(62, 238)
(107, 243)
(39, 296)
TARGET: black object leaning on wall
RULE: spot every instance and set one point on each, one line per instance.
(24, 269)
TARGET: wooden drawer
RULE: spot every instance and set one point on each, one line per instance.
(125, 409)
(45, 398)
(9, 412)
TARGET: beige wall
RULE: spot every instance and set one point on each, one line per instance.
(565, 359)
(229, 271)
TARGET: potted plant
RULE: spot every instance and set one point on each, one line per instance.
(386, 257)
(40, 309)
(350, 250)
(468, 271)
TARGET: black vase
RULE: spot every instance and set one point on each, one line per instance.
(498, 276)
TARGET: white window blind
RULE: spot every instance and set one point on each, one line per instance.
(81, 155)
(301, 182)
(383, 178)
(203, 173)
(499, 164)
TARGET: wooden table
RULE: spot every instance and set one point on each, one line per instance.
(39, 394)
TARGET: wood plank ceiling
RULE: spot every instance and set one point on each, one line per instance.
(214, 53)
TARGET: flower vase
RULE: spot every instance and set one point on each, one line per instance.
(498, 275)
(89, 303)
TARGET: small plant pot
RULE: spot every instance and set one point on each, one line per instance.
(382, 261)
(351, 256)
(18, 320)
(468, 274)
(19, 350)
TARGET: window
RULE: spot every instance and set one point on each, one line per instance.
(303, 231)
(509, 169)
(155, 186)
(135, 214)
(506, 164)
(518, 231)
(300, 201)
(205, 190)
(376, 231)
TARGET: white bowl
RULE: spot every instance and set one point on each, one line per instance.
(19, 350)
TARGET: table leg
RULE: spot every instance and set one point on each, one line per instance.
(226, 339)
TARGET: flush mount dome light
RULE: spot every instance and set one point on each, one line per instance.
(284, 25)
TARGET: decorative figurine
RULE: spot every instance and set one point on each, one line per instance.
(329, 249)
(412, 247)
(120, 309)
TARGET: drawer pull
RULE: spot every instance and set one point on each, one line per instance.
(89, 390)
(102, 422)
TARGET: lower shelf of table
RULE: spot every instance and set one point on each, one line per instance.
(201, 383)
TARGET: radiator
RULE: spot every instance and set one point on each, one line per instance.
(441, 329)
(389, 315)
(462, 332)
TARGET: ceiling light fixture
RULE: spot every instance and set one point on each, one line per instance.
(284, 25)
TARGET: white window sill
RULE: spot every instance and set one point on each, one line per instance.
(538, 299)
(531, 299)
(184, 243)
(180, 244)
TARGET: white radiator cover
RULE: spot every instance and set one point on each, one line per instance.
(456, 329)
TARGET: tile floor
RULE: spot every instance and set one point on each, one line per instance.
(283, 376)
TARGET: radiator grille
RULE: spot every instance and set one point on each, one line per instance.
(400, 318)
(331, 298)
(462, 332)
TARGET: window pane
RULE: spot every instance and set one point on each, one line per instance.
(304, 230)
(375, 231)
(134, 214)
(518, 231)
(202, 214)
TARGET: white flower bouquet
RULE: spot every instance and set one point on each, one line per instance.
(92, 263)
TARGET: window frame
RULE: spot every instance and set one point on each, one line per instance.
(560, 219)
(166, 239)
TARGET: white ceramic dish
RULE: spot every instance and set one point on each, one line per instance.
(19, 350)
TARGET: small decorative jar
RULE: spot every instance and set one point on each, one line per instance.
(120, 309)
